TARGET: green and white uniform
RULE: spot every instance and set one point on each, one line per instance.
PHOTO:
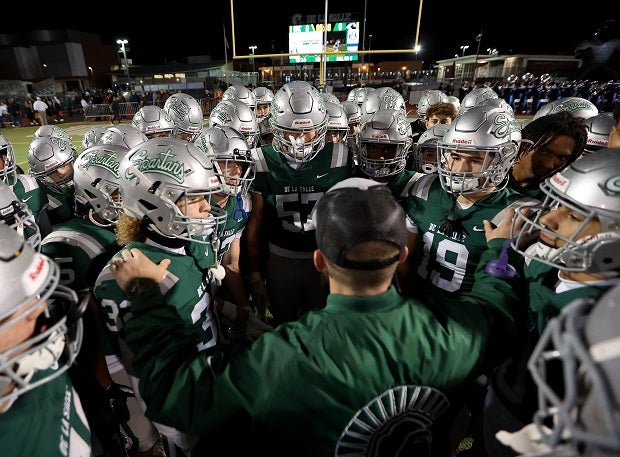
(27, 189)
(60, 206)
(81, 249)
(296, 389)
(443, 264)
(289, 195)
(46, 421)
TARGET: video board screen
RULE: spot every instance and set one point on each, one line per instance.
(341, 36)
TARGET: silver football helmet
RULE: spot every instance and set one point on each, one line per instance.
(124, 135)
(186, 113)
(390, 99)
(236, 114)
(425, 150)
(493, 132)
(264, 97)
(298, 111)
(330, 97)
(53, 131)
(158, 173)
(598, 128)
(591, 187)
(92, 137)
(97, 183)
(30, 279)
(337, 124)
(576, 106)
(578, 414)
(430, 97)
(359, 94)
(499, 103)
(384, 143)
(48, 154)
(17, 215)
(241, 93)
(7, 155)
(477, 95)
(354, 119)
(232, 161)
(370, 105)
(153, 121)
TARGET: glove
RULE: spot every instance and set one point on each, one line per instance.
(117, 395)
(258, 291)
(255, 327)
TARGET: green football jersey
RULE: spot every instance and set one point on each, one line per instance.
(27, 189)
(186, 290)
(46, 421)
(236, 220)
(60, 206)
(290, 194)
(81, 249)
(443, 264)
(298, 389)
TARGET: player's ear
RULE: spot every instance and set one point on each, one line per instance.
(319, 261)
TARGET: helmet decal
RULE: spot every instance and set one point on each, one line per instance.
(161, 164)
(108, 162)
(612, 186)
(180, 108)
(506, 124)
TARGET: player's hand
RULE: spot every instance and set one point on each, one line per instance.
(133, 264)
(117, 395)
(258, 291)
(255, 327)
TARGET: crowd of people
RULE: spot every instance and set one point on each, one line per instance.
(302, 275)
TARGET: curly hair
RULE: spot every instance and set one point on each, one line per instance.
(128, 229)
(542, 131)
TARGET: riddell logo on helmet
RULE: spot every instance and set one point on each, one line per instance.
(559, 181)
(38, 268)
(462, 141)
(302, 123)
(380, 136)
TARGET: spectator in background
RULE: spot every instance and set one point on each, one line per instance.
(29, 111)
(41, 107)
(84, 103)
(115, 107)
(57, 105)
(4, 111)
(16, 113)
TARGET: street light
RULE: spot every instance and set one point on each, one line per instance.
(123, 42)
(416, 49)
(369, 43)
(492, 52)
(92, 75)
(252, 49)
(464, 48)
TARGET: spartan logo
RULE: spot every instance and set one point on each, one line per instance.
(221, 115)
(160, 164)
(403, 125)
(396, 423)
(504, 125)
(180, 109)
(612, 186)
(106, 161)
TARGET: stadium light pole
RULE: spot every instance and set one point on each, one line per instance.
(464, 48)
(123, 42)
(252, 49)
(92, 76)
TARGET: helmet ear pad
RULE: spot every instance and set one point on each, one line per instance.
(597, 253)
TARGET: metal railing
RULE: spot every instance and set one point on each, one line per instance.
(128, 109)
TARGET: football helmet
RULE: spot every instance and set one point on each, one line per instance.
(236, 114)
(598, 128)
(430, 97)
(92, 137)
(425, 150)
(241, 93)
(53, 131)
(337, 121)
(589, 186)
(455, 101)
(186, 113)
(499, 103)
(17, 215)
(124, 135)
(370, 105)
(159, 172)
(579, 414)
(46, 155)
(390, 98)
(226, 147)
(153, 121)
(29, 280)
(493, 132)
(359, 94)
(330, 97)
(478, 95)
(297, 110)
(354, 117)
(576, 106)
(7, 154)
(385, 127)
(96, 179)
(264, 97)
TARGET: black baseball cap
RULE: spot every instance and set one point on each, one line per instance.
(354, 211)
